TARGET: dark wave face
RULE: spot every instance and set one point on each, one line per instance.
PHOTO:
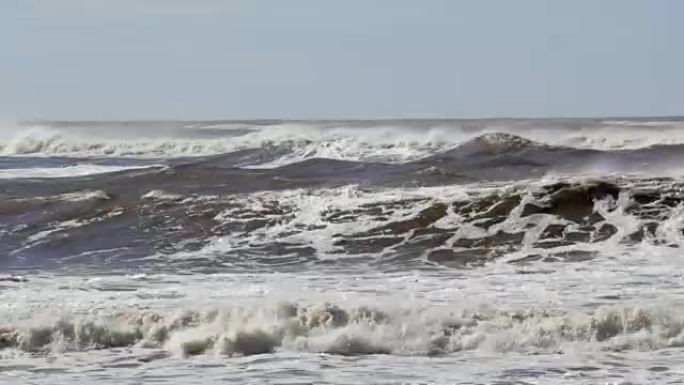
(521, 197)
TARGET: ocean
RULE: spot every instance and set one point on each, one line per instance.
(491, 251)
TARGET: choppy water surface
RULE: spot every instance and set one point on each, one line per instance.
(479, 251)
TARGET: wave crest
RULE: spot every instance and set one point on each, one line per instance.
(390, 141)
(334, 330)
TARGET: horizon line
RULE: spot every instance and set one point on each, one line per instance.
(266, 119)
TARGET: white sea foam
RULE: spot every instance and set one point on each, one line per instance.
(84, 195)
(328, 328)
(64, 172)
(485, 321)
(303, 217)
(56, 227)
(76, 196)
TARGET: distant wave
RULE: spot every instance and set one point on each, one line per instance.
(390, 141)
(303, 140)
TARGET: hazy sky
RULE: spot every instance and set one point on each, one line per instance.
(205, 59)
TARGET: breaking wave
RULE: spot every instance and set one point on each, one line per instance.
(302, 141)
(459, 226)
(334, 330)
(386, 141)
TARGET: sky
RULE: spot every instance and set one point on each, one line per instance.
(335, 59)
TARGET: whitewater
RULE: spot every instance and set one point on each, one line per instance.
(493, 251)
